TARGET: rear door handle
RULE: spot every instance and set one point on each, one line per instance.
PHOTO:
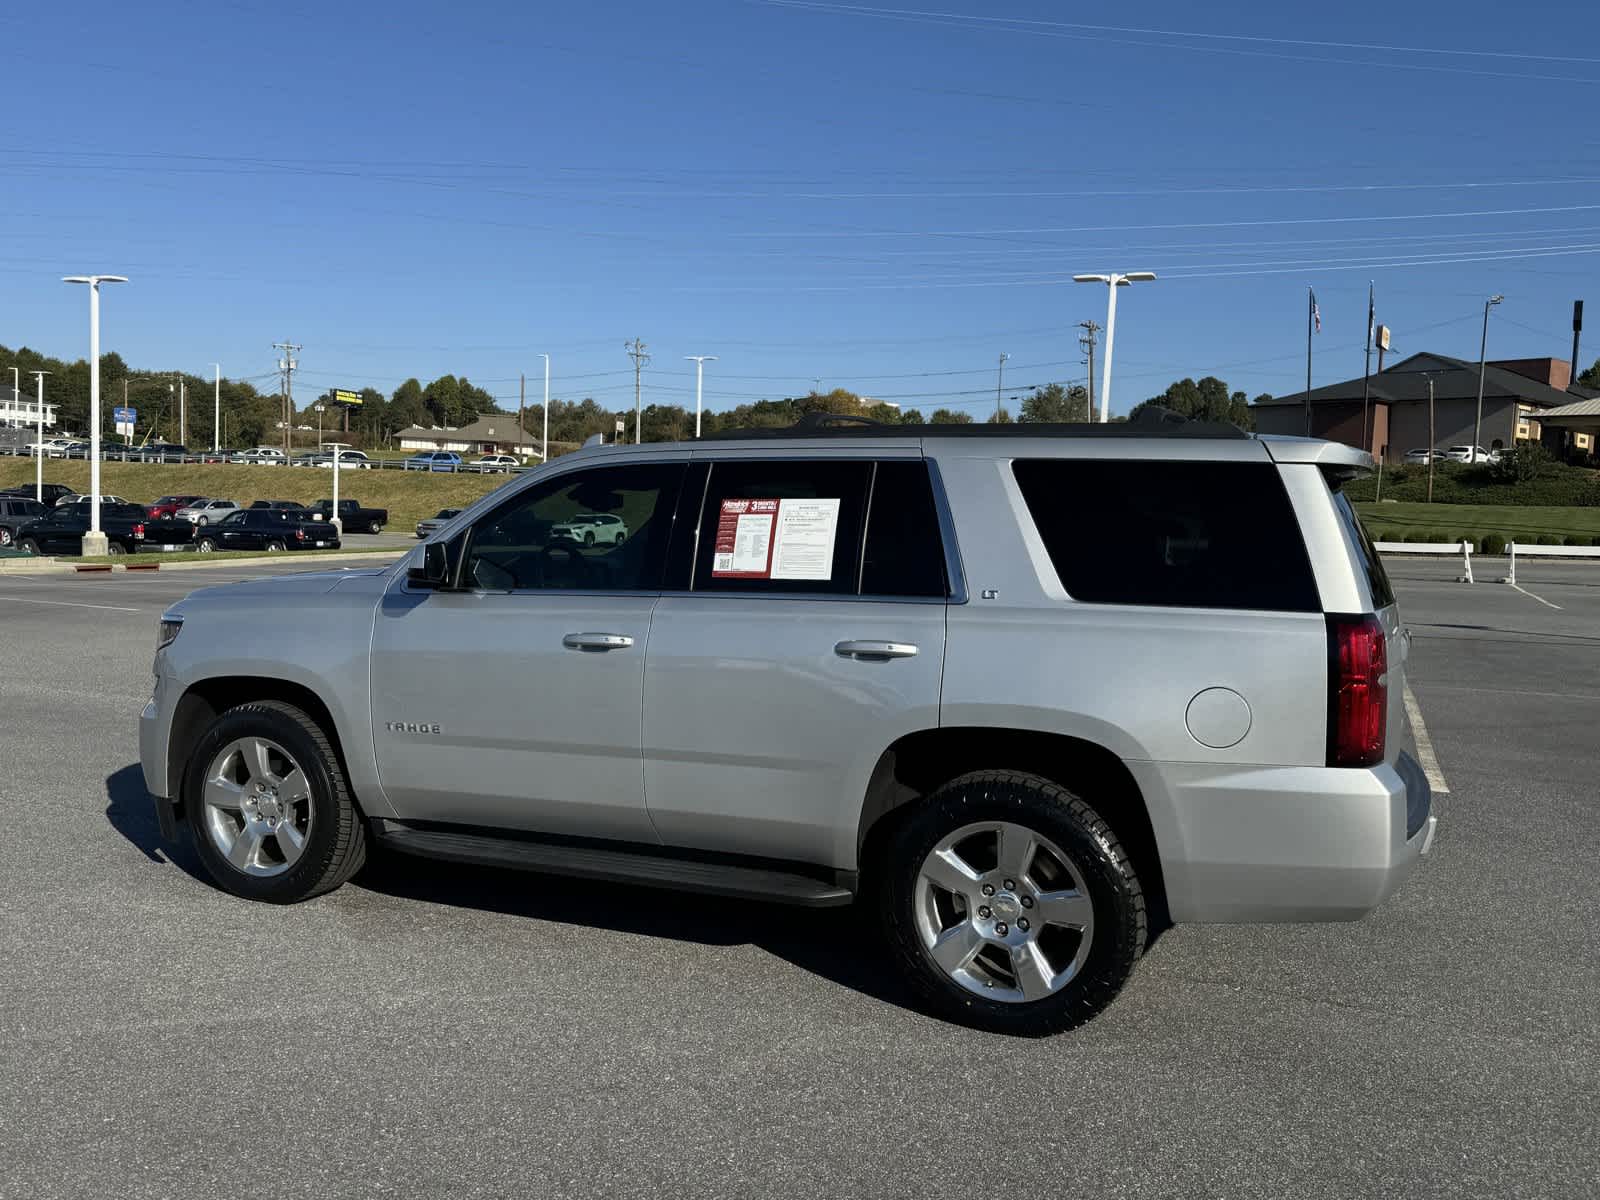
(597, 641)
(875, 650)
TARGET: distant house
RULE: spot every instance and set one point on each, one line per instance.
(493, 433)
(1516, 394)
(20, 410)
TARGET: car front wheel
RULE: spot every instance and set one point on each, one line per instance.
(267, 802)
(275, 546)
(375, 527)
(5, 537)
(205, 546)
(1010, 905)
(29, 546)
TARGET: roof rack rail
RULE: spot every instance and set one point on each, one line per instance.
(1150, 421)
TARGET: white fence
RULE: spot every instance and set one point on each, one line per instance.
(1463, 548)
(1528, 550)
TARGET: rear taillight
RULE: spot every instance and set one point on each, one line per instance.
(138, 531)
(1358, 691)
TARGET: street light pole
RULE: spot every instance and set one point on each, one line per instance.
(38, 470)
(1483, 355)
(999, 383)
(216, 410)
(544, 449)
(700, 361)
(94, 542)
(1113, 281)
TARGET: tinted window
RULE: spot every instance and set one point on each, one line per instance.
(1182, 534)
(1377, 577)
(234, 519)
(904, 553)
(782, 526)
(518, 546)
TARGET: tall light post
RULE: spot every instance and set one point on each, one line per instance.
(94, 542)
(1483, 354)
(38, 470)
(216, 410)
(1113, 281)
(699, 361)
(544, 448)
(999, 382)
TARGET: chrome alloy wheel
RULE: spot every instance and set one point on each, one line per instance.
(257, 806)
(1004, 912)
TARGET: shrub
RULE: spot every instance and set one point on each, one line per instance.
(1575, 540)
(1595, 540)
(1436, 535)
(1492, 543)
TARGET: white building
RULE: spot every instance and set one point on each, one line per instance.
(22, 410)
(492, 433)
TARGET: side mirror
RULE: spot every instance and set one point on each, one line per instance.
(435, 569)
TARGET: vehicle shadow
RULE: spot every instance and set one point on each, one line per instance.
(130, 813)
(838, 944)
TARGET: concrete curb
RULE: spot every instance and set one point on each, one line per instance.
(56, 566)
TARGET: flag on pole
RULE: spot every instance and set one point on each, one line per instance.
(1316, 313)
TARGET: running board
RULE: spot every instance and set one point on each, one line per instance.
(615, 866)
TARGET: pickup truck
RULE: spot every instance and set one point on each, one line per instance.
(125, 525)
(352, 517)
(270, 529)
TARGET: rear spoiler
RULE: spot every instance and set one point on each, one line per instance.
(1335, 457)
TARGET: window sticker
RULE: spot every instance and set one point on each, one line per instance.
(775, 539)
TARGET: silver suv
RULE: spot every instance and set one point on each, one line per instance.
(1024, 695)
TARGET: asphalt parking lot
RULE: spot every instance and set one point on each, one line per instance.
(428, 1031)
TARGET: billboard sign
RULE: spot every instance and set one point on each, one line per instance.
(1383, 337)
(124, 418)
(346, 397)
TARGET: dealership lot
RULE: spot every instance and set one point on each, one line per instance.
(434, 1031)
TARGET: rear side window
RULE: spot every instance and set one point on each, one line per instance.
(1171, 534)
(904, 553)
(782, 525)
(1377, 578)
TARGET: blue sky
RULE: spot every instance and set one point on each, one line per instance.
(883, 197)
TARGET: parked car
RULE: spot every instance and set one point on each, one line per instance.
(81, 498)
(151, 452)
(1011, 733)
(348, 460)
(269, 529)
(430, 525)
(280, 504)
(440, 460)
(206, 512)
(311, 458)
(168, 506)
(497, 463)
(352, 517)
(61, 530)
(269, 456)
(218, 456)
(590, 528)
(51, 492)
(68, 450)
(1423, 457)
(1470, 454)
(14, 514)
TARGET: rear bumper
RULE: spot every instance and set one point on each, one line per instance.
(1285, 843)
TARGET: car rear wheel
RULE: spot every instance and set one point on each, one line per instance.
(116, 549)
(274, 547)
(202, 519)
(588, 538)
(5, 537)
(375, 527)
(267, 802)
(1010, 905)
(29, 546)
(619, 539)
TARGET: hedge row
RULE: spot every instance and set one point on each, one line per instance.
(1456, 483)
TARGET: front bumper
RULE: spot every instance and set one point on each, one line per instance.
(1285, 843)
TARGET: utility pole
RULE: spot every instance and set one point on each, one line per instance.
(1430, 439)
(183, 412)
(287, 365)
(998, 385)
(636, 351)
(1086, 343)
(1366, 369)
(522, 403)
(1483, 355)
(544, 448)
(216, 411)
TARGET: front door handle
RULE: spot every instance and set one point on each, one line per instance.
(875, 651)
(597, 641)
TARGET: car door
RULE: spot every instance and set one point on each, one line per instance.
(808, 636)
(237, 531)
(513, 701)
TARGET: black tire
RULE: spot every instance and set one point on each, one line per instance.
(5, 537)
(336, 844)
(273, 547)
(619, 539)
(205, 546)
(204, 520)
(29, 546)
(588, 538)
(116, 549)
(375, 527)
(1071, 824)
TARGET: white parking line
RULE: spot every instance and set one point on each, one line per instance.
(1430, 762)
(1531, 596)
(69, 604)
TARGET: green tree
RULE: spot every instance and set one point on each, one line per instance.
(406, 407)
(1591, 377)
(911, 416)
(1207, 400)
(948, 416)
(1001, 416)
(442, 398)
(1055, 403)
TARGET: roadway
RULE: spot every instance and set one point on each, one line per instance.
(431, 1031)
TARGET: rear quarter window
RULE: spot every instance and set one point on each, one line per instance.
(1170, 534)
